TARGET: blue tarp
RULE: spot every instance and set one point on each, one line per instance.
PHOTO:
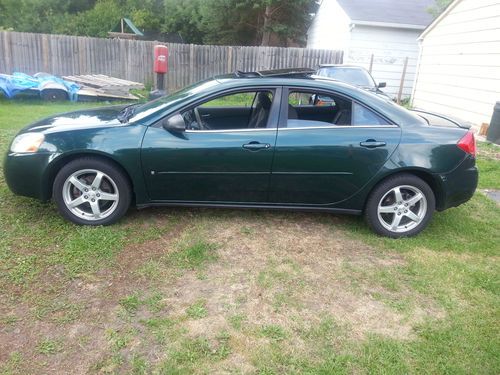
(13, 84)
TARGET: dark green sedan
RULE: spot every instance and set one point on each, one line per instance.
(254, 140)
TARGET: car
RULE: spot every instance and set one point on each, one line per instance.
(353, 74)
(249, 140)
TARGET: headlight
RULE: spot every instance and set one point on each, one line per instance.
(27, 142)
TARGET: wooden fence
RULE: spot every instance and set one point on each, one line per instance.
(133, 60)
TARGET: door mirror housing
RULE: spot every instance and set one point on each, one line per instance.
(174, 123)
(382, 85)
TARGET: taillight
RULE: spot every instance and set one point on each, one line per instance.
(468, 143)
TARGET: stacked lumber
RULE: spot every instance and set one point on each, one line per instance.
(100, 86)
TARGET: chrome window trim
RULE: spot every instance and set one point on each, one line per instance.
(230, 130)
(342, 127)
(302, 128)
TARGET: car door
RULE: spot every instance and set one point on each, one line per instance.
(323, 160)
(214, 161)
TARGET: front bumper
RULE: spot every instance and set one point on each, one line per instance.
(459, 185)
(26, 174)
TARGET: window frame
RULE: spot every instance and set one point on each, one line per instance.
(273, 113)
(282, 124)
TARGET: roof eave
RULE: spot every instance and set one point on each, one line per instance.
(448, 9)
(389, 24)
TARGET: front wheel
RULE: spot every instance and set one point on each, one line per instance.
(91, 192)
(400, 206)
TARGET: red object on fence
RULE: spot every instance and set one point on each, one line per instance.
(161, 59)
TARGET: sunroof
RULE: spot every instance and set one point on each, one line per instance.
(290, 72)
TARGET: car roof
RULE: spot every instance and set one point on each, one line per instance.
(386, 107)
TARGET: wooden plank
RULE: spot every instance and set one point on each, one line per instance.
(400, 92)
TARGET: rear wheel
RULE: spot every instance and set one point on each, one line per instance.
(91, 192)
(400, 206)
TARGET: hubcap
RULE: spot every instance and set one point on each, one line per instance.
(402, 208)
(90, 194)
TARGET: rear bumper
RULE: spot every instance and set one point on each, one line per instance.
(459, 185)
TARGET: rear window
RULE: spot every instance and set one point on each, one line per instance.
(357, 77)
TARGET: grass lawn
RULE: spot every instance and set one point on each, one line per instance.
(180, 291)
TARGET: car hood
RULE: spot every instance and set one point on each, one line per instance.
(90, 118)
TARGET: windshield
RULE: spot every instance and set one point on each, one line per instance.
(169, 100)
(354, 76)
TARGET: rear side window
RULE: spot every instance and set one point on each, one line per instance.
(315, 109)
(364, 116)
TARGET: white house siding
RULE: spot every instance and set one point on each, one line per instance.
(459, 67)
(330, 28)
(390, 47)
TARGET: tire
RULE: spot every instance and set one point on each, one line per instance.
(54, 95)
(400, 215)
(84, 200)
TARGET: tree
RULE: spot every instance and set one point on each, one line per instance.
(184, 17)
(438, 7)
(233, 22)
(241, 22)
(31, 15)
(287, 19)
(259, 22)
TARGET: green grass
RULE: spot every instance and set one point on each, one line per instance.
(48, 347)
(489, 166)
(55, 275)
(273, 332)
(197, 310)
(131, 303)
(193, 256)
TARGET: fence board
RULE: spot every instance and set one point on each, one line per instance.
(133, 60)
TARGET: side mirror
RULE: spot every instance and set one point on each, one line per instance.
(382, 85)
(174, 123)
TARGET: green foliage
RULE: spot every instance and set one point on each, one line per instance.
(185, 18)
(31, 15)
(261, 22)
(438, 7)
(236, 22)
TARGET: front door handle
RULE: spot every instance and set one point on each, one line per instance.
(256, 146)
(372, 143)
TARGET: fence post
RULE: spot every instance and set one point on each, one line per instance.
(401, 84)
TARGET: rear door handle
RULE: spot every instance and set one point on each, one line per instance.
(371, 143)
(256, 146)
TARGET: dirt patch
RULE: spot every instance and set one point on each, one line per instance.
(289, 267)
(282, 271)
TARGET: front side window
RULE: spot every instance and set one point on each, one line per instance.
(240, 110)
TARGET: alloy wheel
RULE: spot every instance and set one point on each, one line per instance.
(402, 208)
(90, 194)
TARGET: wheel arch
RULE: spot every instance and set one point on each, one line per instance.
(55, 166)
(429, 178)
